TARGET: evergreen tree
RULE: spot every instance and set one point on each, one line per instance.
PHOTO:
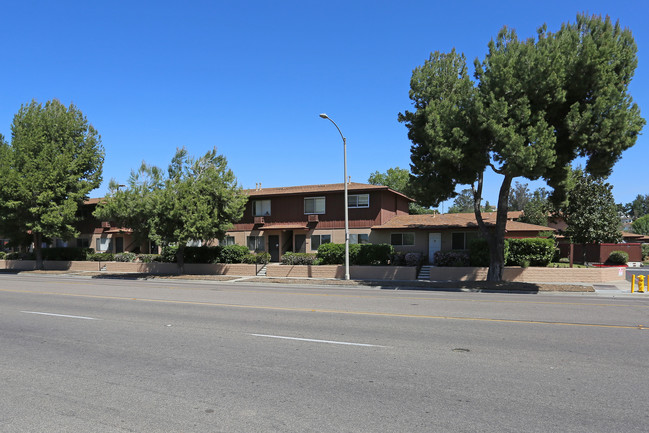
(195, 199)
(537, 105)
(591, 212)
(55, 159)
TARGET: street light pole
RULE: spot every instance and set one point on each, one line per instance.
(324, 116)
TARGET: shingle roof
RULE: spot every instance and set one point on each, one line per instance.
(317, 189)
(453, 220)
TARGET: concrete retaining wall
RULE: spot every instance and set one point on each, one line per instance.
(531, 275)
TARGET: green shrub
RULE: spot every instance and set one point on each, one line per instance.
(530, 252)
(359, 254)
(371, 254)
(233, 254)
(298, 259)
(256, 258)
(66, 253)
(124, 257)
(334, 254)
(101, 257)
(645, 251)
(148, 258)
(564, 260)
(451, 258)
(479, 252)
(168, 253)
(20, 256)
(203, 254)
(414, 259)
(2, 255)
(398, 259)
(618, 258)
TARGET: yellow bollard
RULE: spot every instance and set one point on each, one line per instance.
(641, 284)
(632, 283)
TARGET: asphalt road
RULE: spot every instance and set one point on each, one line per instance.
(81, 355)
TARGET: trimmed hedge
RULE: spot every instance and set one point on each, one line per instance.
(289, 258)
(66, 253)
(233, 254)
(256, 258)
(101, 257)
(203, 254)
(618, 258)
(125, 257)
(530, 252)
(359, 254)
(451, 258)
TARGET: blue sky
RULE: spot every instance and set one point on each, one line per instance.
(251, 77)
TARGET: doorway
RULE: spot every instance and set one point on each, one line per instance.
(273, 247)
(434, 245)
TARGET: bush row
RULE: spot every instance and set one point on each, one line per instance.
(518, 252)
(359, 254)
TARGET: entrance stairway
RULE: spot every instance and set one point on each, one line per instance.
(424, 273)
(262, 272)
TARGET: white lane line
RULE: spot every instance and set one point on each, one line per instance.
(59, 315)
(317, 341)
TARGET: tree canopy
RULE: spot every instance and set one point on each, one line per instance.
(591, 212)
(54, 160)
(398, 179)
(638, 207)
(536, 105)
(641, 225)
(194, 199)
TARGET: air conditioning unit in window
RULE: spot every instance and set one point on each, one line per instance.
(313, 218)
(259, 220)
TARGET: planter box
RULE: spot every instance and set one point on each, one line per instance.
(338, 271)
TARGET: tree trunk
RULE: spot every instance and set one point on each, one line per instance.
(496, 239)
(180, 259)
(38, 250)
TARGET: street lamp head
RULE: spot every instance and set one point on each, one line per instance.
(324, 116)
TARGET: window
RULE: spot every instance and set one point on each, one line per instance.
(461, 241)
(358, 200)
(103, 245)
(256, 243)
(317, 240)
(402, 238)
(83, 243)
(359, 239)
(314, 205)
(228, 240)
(261, 208)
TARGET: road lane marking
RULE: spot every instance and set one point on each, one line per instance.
(346, 343)
(331, 311)
(59, 315)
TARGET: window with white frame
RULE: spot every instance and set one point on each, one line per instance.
(228, 240)
(314, 205)
(402, 239)
(256, 243)
(359, 238)
(103, 245)
(358, 200)
(261, 208)
(317, 240)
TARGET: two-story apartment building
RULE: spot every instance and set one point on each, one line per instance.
(301, 218)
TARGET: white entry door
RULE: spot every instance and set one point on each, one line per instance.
(434, 245)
